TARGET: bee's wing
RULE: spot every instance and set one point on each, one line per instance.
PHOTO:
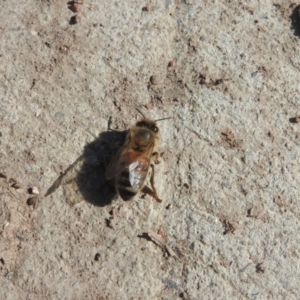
(136, 163)
(138, 171)
(118, 163)
(139, 167)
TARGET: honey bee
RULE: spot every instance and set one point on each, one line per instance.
(130, 167)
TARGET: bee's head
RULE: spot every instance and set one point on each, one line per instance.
(151, 125)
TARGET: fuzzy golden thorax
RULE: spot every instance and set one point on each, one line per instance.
(144, 133)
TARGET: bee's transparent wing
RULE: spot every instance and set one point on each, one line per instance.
(119, 162)
(136, 163)
(138, 171)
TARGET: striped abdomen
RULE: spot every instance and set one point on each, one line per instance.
(132, 178)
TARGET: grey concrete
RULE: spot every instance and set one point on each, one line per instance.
(229, 171)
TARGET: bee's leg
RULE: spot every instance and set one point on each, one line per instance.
(152, 192)
(155, 156)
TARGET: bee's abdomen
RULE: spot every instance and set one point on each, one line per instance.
(126, 193)
(124, 187)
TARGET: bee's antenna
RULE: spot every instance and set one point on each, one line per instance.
(163, 119)
(141, 113)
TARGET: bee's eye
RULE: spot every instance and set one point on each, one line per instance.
(155, 129)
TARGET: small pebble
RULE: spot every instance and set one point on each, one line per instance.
(77, 7)
(16, 186)
(32, 201)
(186, 185)
(154, 79)
(3, 175)
(64, 255)
(161, 232)
(169, 206)
(34, 190)
(172, 63)
(9, 275)
(97, 257)
(77, 18)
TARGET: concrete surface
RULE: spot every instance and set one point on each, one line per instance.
(227, 72)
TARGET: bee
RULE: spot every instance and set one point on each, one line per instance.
(130, 166)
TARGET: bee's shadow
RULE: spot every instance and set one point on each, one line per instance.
(295, 20)
(85, 178)
(90, 178)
